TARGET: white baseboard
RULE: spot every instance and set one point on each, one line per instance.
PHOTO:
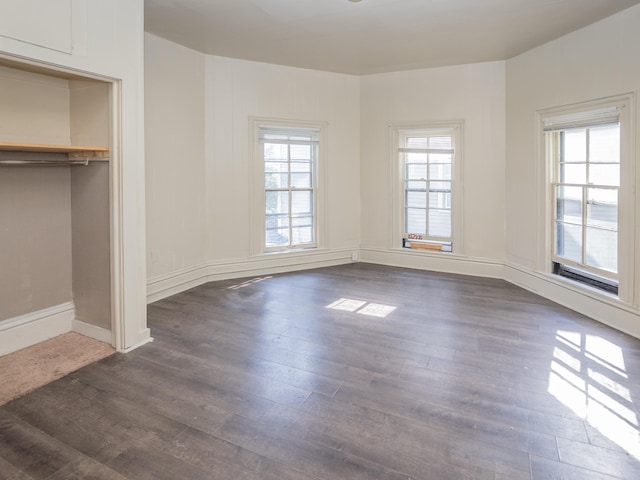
(181, 280)
(175, 282)
(600, 307)
(436, 262)
(35, 327)
(146, 338)
(91, 331)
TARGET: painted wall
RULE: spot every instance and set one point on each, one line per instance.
(105, 39)
(237, 90)
(471, 93)
(35, 218)
(597, 61)
(199, 187)
(175, 143)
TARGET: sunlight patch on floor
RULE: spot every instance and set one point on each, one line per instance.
(587, 375)
(362, 307)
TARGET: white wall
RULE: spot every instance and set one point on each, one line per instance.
(597, 61)
(104, 39)
(199, 212)
(471, 93)
(175, 144)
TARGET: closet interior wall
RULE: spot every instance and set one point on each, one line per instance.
(54, 220)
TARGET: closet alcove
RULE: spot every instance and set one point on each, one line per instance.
(55, 238)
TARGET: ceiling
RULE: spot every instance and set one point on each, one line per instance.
(371, 36)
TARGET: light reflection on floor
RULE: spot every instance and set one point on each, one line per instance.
(588, 376)
(362, 307)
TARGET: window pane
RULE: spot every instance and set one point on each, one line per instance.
(416, 142)
(440, 171)
(604, 144)
(440, 223)
(573, 173)
(602, 249)
(602, 208)
(439, 200)
(300, 235)
(416, 220)
(301, 166)
(575, 145)
(569, 204)
(416, 185)
(277, 202)
(412, 157)
(444, 143)
(604, 174)
(300, 152)
(440, 158)
(416, 171)
(276, 151)
(416, 199)
(277, 230)
(276, 180)
(301, 180)
(569, 242)
(440, 186)
(301, 202)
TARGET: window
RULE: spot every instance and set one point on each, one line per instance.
(427, 160)
(288, 157)
(591, 238)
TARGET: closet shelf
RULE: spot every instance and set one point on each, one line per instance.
(43, 154)
(72, 150)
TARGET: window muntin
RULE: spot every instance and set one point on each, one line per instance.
(586, 184)
(426, 158)
(289, 158)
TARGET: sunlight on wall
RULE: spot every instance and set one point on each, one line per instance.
(588, 375)
(361, 307)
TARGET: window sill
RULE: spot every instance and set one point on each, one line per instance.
(293, 252)
(582, 287)
(427, 253)
(290, 250)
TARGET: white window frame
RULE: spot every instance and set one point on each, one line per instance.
(397, 132)
(258, 125)
(621, 106)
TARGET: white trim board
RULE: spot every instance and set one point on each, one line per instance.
(26, 330)
(97, 333)
(436, 262)
(608, 311)
(164, 286)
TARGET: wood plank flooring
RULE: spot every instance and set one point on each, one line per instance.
(350, 372)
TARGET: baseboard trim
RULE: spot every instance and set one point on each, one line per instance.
(91, 331)
(172, 283)
(164, 286)
(146, 339)
(35, 327)
(599, 307)
(435, 262)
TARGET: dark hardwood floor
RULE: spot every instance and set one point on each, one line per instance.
(350, 372)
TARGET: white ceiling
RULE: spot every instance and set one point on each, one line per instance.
(371, 36)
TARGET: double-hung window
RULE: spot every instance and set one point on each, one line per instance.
(426, 159)
(590, 238)
(288, 157)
